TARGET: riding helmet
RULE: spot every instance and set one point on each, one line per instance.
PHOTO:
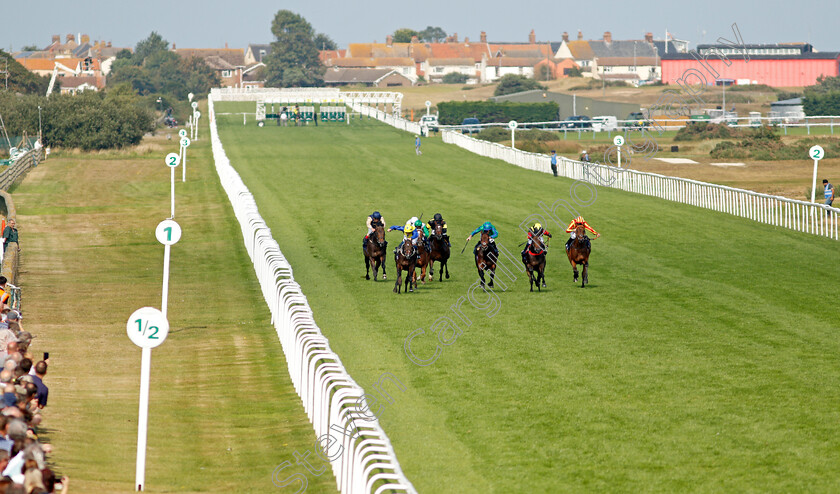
(418, 223)
(537, 226)
(487, 226)
(376, 215)
(438, 217)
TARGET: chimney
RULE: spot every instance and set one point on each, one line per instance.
(70, 38)
(466, 40)
(226, 45)
(415, 39)
(532, 38)
(607, 37)
(580, 35)
(565, 36)
(173, 46)
(109, 45)
(389, 40)
(85, 39)
(454, 37)
(649, 37)
(483, 37)
(56, 38)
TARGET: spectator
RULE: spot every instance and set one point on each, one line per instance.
(554, 162)
(417, 146)
(284, 118)
(10, 234)
(13, 321)
(38, 379)
(4, 294)
(23, 367)
(829, 193)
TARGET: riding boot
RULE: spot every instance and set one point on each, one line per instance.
(364, 242)
(568, 243)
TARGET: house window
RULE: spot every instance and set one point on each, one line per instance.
(226, 73)
(405, 70)
(262, 54)
(438, 70)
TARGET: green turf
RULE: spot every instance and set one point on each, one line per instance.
(702, 357)
(223, 412)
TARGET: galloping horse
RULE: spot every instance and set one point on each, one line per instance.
(483, 260)
(375, 252)
(440, 253)
(535, 261)
(406, 259)
(579, 254)
(423, 258)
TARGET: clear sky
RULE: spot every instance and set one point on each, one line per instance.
(212, 23)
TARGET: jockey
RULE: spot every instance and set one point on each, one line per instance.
(438, 220)
(372, 221)
(535, 232)
(419, 228)
(574, 224)
(486, 227)
(409, 233)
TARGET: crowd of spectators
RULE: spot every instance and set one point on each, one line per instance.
(23, 463)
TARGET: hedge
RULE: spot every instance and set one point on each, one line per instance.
(454, 112)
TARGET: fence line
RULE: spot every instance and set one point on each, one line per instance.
(817, 219)
(10, 173)
(388, 118)
(330, 396)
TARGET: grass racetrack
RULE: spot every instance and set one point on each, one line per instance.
(222, 408)
(703, 356)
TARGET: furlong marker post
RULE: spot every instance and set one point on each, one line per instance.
(816, 153)
(148, 328)
(185, 143)
(172, 160)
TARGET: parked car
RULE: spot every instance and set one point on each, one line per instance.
(635, 120)
(470, 126)
(604, 123)
(430, 121)
(577, 122)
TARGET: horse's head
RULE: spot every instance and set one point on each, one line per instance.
(438, 231)
(407, 249)
(580, 232)
(379, 233)
(485, 239)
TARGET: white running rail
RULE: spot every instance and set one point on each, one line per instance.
(330, 396)
(390, 119)
(817, 219)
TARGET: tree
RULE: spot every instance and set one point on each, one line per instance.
(454, 78)
(293, 50)
(823, 98)
(432, 35)
(20, 79)
(324, 42)
(404, 35)
(149, 46)
(30, 48)
(513, 83)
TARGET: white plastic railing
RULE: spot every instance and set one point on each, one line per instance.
(330, 396)
(817, 219)
(388, 118)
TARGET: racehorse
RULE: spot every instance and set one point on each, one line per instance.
(423, 258)
(579, 254)
(406, 259)
(484, 261)
(535, 261)
(440, 253)
(375, 252)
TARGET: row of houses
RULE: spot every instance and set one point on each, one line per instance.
(84, 64)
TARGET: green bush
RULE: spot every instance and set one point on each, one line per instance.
(512, 83)
(90, 120)
(454, 78)
(728, 150)
(454, 112)
(494, 134)
(764, 144)
(697, 131)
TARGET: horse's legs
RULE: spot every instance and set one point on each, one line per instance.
(446, 265)
(492, 277)
(382, 263)
(367, 269)
(575, 271)
(531, 277)
(432, 270)
(585, 274)
(542, 274)
(481, 275)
